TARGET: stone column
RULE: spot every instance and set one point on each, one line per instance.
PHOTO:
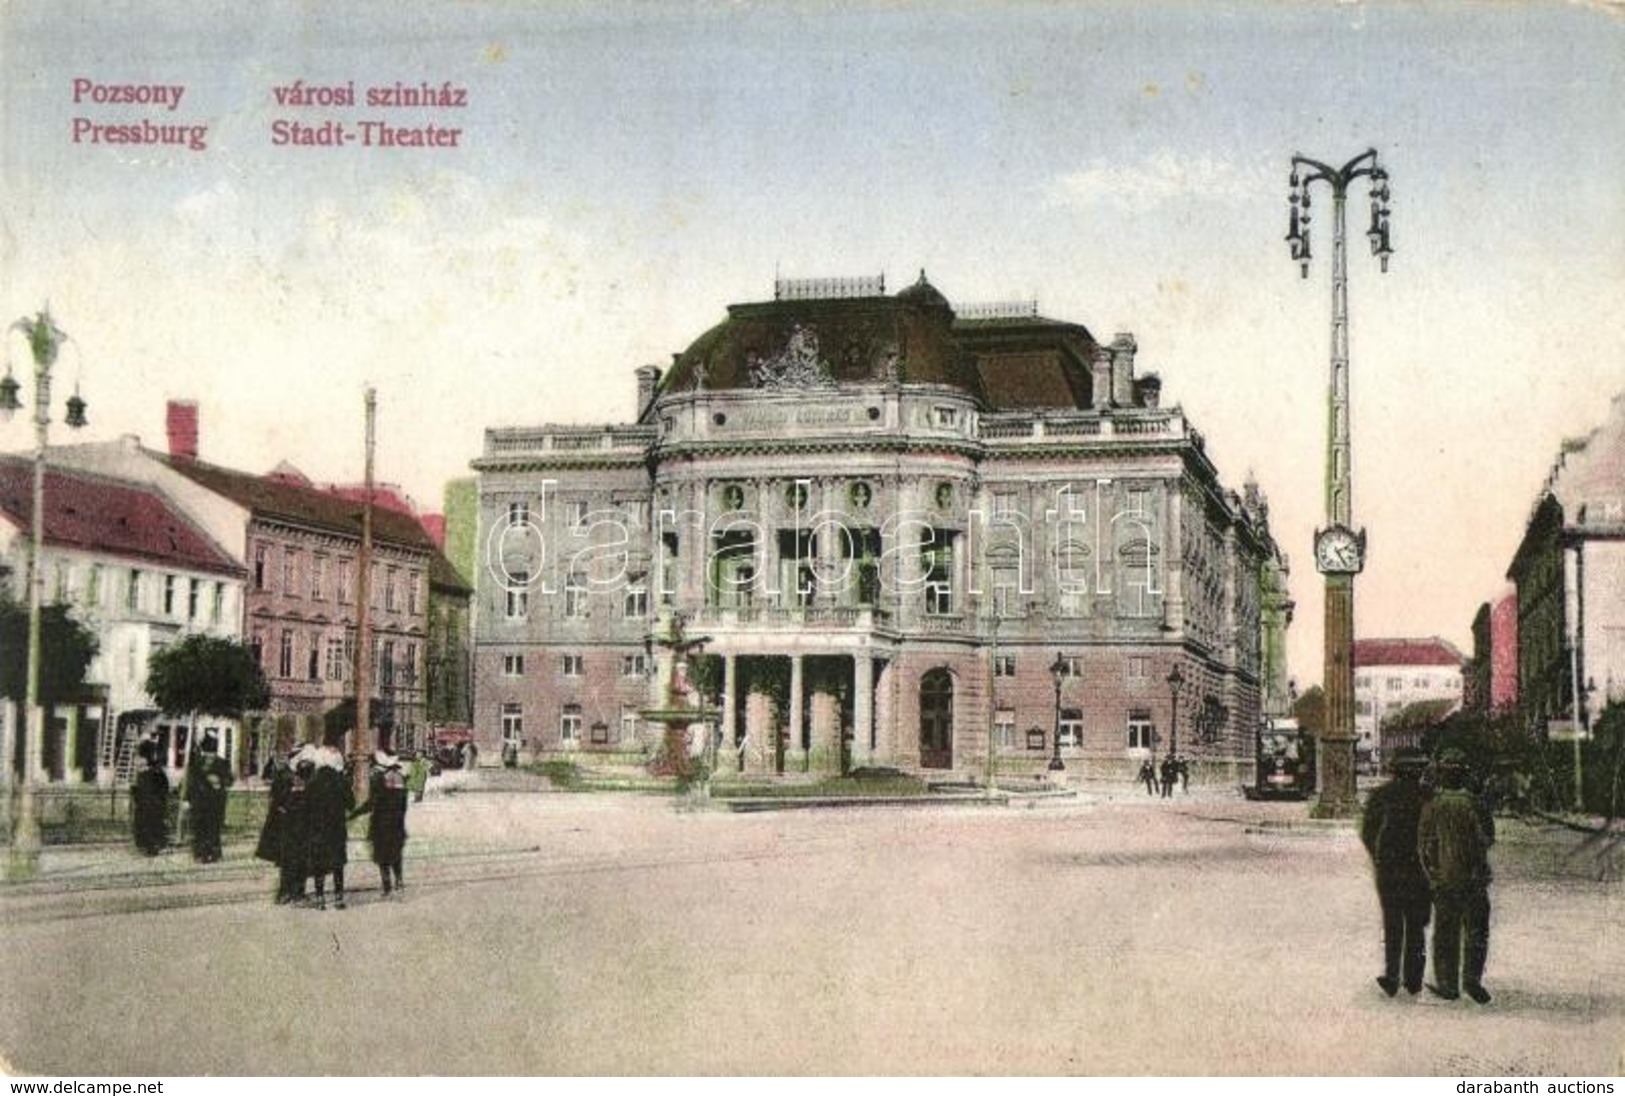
(794, 748)
(825, 752)
(70, 747)
(1173, 575)
(863, 714)
(730, 706)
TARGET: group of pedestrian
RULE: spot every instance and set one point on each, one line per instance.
(1162, 778)
(306, 830)
(208, 779)
(1429, 837)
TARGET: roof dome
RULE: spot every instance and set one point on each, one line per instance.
(923, 294)
(829, 342)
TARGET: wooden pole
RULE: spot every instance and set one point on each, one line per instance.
(361, 740)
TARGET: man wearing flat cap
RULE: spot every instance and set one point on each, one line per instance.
(1388, 830)
(1454, 838)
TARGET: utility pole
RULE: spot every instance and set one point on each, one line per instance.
(1339, 547)
(361, 741)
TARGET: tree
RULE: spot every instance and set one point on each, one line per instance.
(1310, 711)
(66, 650)
(207, 675)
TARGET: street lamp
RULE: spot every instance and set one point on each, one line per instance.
(1339, 548)
(1057, 670)
(45, 339)
(1176, 681)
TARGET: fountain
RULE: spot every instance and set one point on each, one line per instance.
(677, 715)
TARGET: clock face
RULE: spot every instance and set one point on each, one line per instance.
(1338, 550)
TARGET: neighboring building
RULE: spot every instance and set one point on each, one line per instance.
(889, 521)
(298, 544)
(139, 574)
(1569, 570)
(1492, 675)
(1390, 675)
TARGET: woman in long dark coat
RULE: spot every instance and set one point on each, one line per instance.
(149, 802)
(279, 844)
(386, 822)
(328, 800)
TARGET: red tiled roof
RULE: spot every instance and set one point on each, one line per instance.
(1432, 651)
(277, 497)
(92, 513)
(280, 497)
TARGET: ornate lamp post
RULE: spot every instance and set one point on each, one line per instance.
(45, 339)
(1339, 548)
(1176, 681)
(1057, 670)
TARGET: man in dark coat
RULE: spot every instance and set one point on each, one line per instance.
(149, 801)
(1453, 839)
(1148, 776)
(277, 842)
(207, 779)
(1168, 774)
(1388, 830)
(328, 800)
(386, 822)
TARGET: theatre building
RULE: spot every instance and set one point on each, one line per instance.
(902, 532)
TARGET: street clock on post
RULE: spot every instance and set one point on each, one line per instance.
(1339, 551)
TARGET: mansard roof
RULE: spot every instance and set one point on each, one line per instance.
(93, 513)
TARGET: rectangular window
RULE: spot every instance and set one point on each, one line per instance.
(1004, 728)
(414, 582)
(629, 725)
(169, 595)
(573, 665)
(513, 665)
(217, 605)
(570, 724)
(337, 663)
(261, 555)
(513, 724)
(409, 664)
(575, 513)
(634, 665)
(194, 596)
(132, 592)
(1071, 726)
(285, 660)
(391, 584)
(386, 668)
(1005, 504)
(1140, 729)
(93, 587)
(637, 604)
(575, 600)
(1004, 666)
(344, 590)
(290, 572)
(62, 582)
(1138, 668)
(518, 595)
(313, 658)
(518, 514)
(318, 577)
(1071, 666)
(946, 416)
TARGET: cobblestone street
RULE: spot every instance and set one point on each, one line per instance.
(581, 934)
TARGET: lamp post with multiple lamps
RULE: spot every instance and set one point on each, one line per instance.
(1339, 547)
(45, 340)
(1176, 681)
(1057, 670)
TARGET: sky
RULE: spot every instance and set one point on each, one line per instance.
(624, 171)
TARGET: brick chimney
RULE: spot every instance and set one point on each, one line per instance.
(648, 381)
(181, 422)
